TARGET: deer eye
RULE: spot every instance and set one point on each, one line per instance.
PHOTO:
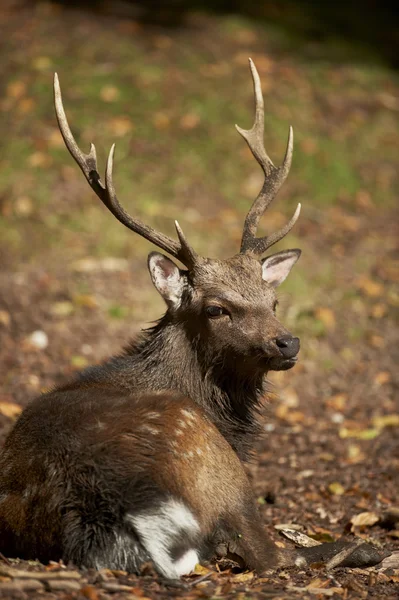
(214, 311)
(275, 305)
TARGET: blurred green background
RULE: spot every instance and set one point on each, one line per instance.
(168, 86)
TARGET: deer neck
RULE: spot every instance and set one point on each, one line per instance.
(166, 358)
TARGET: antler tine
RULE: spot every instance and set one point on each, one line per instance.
(88, 165)
(274, 177)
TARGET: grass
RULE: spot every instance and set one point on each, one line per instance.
(170, 102)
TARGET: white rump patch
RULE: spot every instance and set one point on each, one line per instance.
(159, 530)
(186, 563)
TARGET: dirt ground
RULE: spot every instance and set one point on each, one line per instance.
(74, 287)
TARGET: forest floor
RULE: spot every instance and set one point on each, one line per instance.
(74, 286)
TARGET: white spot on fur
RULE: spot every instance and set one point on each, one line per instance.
(199, 451)
(179, 432)
(152, 415)
(174, 444)
(149, 429)
(182, 423)
(186, 563)
(187, 413)
(160, 528)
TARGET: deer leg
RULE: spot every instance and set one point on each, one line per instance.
(363, 555)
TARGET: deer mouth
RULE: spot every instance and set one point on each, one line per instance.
(279, 363)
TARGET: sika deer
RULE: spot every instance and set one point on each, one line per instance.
(141, 458)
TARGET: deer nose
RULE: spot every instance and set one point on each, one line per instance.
(288, 345)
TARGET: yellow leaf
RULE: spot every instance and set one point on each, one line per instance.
(326, 316)
(382, 377)
(336, 488)
(243, 577)
(379, 310)
(161, 120)
(359, 434)
(201, 570)
(39, 160)
(386, 421)
(10, 409)
(369, 287)
(5, 318)
(365, 519)
(109, 93)
(42, 63)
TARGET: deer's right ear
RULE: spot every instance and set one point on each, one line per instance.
(167, 278)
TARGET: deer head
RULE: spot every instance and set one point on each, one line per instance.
(227, 306)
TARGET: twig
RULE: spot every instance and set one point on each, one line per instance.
(343, 555)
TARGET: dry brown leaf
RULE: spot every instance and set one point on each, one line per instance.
(382, 377)
(365, 519)
(243, 577)
(337, 402)
(10, 409)
(319, 583)
(5, 318)
(16, 89)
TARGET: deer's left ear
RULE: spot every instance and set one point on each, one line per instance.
(275, 268)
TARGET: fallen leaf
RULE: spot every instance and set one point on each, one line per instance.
(359, 434)
(370, 287)
(85, 300)
(42, 63)
(379, 311)
(23, 206)
(336, 488)
(365, 519)
(319, 583)
(120, 126)
(62, 309)
(190, 121)
(338, 401)
(109, 93)
(39, 160)
(243, 577)
(161, 120)
(386, 421)
(10, 409)
(201, 570)
(5, 318)
(16, 89)
(326, 316)
(382, 377)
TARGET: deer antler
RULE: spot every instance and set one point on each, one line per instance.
(274, 178)
(107, 195)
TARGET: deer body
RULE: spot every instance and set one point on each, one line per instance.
(141, 459)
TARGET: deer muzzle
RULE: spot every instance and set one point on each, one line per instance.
(288, 346)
